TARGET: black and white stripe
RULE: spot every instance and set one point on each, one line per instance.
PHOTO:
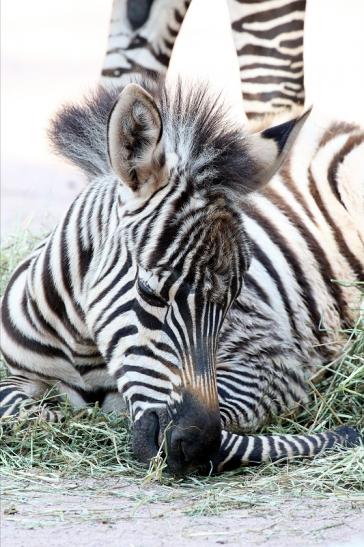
(268, 36)
(171, 283)
(142, 36)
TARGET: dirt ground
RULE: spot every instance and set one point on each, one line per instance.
(37, 512)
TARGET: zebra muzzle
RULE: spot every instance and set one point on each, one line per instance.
(189, 440)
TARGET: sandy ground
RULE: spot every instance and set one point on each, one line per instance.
(51, 53)
(115, 512)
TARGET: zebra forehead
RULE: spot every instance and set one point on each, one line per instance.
(196, 129)
(208, 231)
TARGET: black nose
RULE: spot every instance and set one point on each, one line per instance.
(191, 447)
(194, 438)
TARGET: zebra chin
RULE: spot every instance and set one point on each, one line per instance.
(190, 439)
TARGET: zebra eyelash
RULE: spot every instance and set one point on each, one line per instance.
(149, 296)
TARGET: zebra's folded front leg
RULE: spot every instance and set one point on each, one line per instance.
(18, 397)
(237, 450)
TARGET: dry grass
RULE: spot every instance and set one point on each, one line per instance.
(92, 444)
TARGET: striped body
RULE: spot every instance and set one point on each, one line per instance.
(307, 231)
(268, 36)
(133, 296)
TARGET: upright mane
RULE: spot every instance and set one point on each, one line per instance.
(195, 126)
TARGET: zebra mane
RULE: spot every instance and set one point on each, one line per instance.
(78, 132)
(195, 127)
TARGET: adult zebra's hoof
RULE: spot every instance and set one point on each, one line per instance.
(349, 436)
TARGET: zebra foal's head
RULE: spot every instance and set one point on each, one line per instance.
(182, 170)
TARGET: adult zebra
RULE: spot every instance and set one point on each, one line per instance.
(268, 36)
(172, 282)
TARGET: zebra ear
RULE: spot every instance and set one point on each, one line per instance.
(270, 147)
(134, 139)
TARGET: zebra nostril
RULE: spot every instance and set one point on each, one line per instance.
(177, 449)
(193, 439)
(180, 451)
(184, 450)
(186, 453)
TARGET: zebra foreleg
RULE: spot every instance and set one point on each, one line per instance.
(18, 397)
(141, 37)
(237, 450)
(269, 44)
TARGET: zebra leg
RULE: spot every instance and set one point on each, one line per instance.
(236, 451)
(252, 393)
(18, 397)
(255, 383)
(269, 42)
(142, 36)
(261, 373)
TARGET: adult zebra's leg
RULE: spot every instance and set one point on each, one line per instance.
(142, 36)
(18, 397)
(268, 36)
(236, 451)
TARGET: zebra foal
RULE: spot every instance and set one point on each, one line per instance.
(161, 287)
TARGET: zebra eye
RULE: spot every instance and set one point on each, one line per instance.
(147, 293)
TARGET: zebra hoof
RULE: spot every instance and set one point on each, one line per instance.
(349, 436)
